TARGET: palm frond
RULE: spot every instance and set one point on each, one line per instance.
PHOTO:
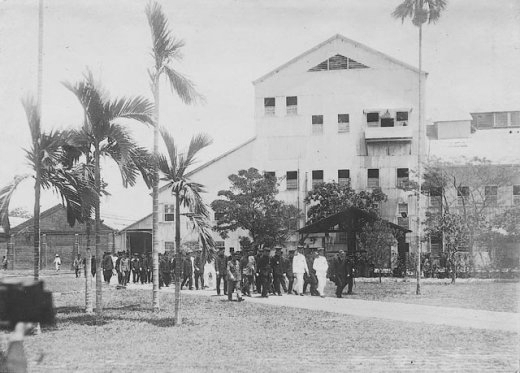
(33, 116)
(420, 11)
(91, 97)
(165, 45)
(405, 10)
(136, 108)
(5, 198)
(145, 163)
(119, 147)
(197, 143)
(164, 168)
(170, 147)
(201, 225)
(182, 86)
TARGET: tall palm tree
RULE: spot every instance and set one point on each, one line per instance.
(102, 136)
(166, 48)
(46, 159)
(420, 11)
(188, 195)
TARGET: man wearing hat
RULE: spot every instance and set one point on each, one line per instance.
(57, 262)
(199, 270)
(221, 270)
(340, 272)
(188, 270)
(321, 266)
(299, 269)
(264, 272)
(278, 270)
(234, 277)
(289, 271)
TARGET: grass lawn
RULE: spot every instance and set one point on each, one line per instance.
(501, 296)
(221, 336)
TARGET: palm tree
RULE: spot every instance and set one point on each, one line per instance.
(166, 48)
(102, 136)
(46, 159)
(420, 11)
(188, 195)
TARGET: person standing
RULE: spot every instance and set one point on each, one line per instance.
(199, 270)
(107, 265)
(234, 277)
(264, 272)
(125, 269)
(278, 269)
(57, 262)
(248, 271)
(339, 273)
(299, 269)
(164, 271)
(221, 270)
(187, 271)
(321, 267)
(310, 279)
(144, 269)
(289, 271)
(136, 268)
(78, 265)
(118, 269)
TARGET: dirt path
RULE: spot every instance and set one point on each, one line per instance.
(459, 317)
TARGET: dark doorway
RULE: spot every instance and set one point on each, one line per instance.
(139, 242)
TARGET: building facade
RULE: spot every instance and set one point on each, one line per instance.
(339, 112)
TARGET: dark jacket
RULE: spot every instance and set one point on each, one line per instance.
(288, 266)
(108, 264)
(199, 265)
(221, 264)
(164, 266)
(186, 267)
(277, 265)
(263, 265)
(339, 269)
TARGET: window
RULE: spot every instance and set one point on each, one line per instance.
(342, 237)
(462, 195)
(317, 177)
(500, 119)
(491, 195)
(387, 122)
(338, 62)
(269, 106)
(402, 209)
(291, 103)
(402, 177)
(169, 212)
(343, 123)
(169, 246)
(343, 177)
(436, 199)
(373, 178)
(292, 179)
(436, 246)
(317, 124)
(373, 119)
(269, 174)
(401, 116)
(403, 222)
(515, 118)
(516, 194)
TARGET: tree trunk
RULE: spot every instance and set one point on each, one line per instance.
(36, 218)
(178, 265)
(88, 281)
(99, 284)
(155, 203)
(419, 170)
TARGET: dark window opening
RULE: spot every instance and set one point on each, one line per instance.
(269, 101)
(387, 122)
(317, 119)
(292, 179)
(291, 100)
(372, 117)
(343, 118)
(401, 115)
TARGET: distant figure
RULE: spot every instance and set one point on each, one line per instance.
(108, 267)
(93, 265)
(234, 277)
(4, 263)
(299, 269)
(57, 262)
(78, 265)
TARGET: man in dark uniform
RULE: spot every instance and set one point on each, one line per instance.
(258, 279)
(221, 270)
(136, 268)
(108, 266)
(339, 272)
(310, 279)
(144, 269)
(278, 268)
(199, 270)
(264, 272)
(289, 272)
(187, 270)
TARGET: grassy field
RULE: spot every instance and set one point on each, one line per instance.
(502, 296)
(228, 336)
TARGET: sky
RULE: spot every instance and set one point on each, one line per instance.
(472, 56)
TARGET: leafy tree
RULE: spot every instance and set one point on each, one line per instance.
(376, 238)
(420, 11)
(250, 204)
(454, 230)
(103, 136)
(174, 169)
(165, 50)
(330, 198)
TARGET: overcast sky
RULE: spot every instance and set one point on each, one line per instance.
(472, 56)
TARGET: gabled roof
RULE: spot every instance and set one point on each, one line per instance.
(129, 227)
(352, 218)
(203, 166)
(330, 40)
(29, 223)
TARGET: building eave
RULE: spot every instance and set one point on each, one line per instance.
(330, 40)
